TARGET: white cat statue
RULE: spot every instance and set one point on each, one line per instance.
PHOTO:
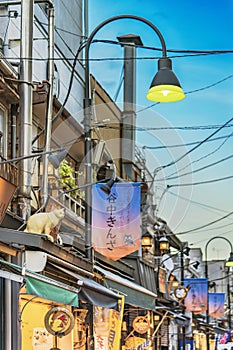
(44, 223)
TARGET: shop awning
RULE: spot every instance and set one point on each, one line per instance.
(93, 292)
(135, 294)
(51, 290)
(180, 319)
(40, 285)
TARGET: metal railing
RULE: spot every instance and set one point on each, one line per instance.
(75, 205)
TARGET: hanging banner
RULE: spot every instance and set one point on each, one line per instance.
(162, 280)
(116, 219)
(171, 279)
(216, 304)
(196, 300)
(107, 327)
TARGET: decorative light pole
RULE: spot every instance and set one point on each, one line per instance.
(165, 87)
(228, 263)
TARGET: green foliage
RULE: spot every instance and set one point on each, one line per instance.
(66, 173)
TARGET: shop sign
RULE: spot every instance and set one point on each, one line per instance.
(141, 324)
(137, 343)
(59, 321)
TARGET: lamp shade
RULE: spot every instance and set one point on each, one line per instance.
(163, 244)
(196, 264)
(56, 159)
(146, 240)
(165, 86)
(229, 262)
(107, 186)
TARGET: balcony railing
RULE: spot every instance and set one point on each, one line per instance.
(75, 205)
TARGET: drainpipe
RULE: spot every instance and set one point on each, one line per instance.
(50, 103)
(8, 313)
(13, 130)
(27, 17)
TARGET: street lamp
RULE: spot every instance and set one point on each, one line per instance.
(53, 159)
(228, 263)
(165, 87)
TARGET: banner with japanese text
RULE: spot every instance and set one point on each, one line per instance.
(216, 304)
(197, 298)
(107, 327)
(116, 219)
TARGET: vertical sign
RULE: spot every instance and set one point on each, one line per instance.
(216, 304)
(107, 327)
(196, 300)
(116, 219)
(162, 280)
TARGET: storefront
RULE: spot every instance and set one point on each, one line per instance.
(46, 305)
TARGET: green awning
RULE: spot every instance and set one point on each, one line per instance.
(93, 292)
(135, 294)
(132, 296)
(51, 290)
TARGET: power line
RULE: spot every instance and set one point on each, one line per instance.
(196, 170)
(202, 182)
(204, 240)
(183, 128)
(192, 149)
(197, 203)
(206, 225)
(185, 144)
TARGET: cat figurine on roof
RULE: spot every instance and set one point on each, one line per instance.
(44, 223)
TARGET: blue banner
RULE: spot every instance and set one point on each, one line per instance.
(216, 304)
(116, 219)
(197, 298)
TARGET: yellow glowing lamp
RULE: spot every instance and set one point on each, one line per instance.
(165, 86)
(229, 262)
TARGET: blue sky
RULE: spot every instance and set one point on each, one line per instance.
(185, 25)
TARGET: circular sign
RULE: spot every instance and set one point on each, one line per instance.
(59, 321)
(141, 324)
(180, 292)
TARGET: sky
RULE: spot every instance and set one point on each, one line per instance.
(188, 139)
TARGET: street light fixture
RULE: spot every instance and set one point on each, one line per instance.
(165, 86)
(163, 245)
(53, 159)
(228, 263)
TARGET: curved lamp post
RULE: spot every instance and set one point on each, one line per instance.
(228, 263)
(165, 87)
